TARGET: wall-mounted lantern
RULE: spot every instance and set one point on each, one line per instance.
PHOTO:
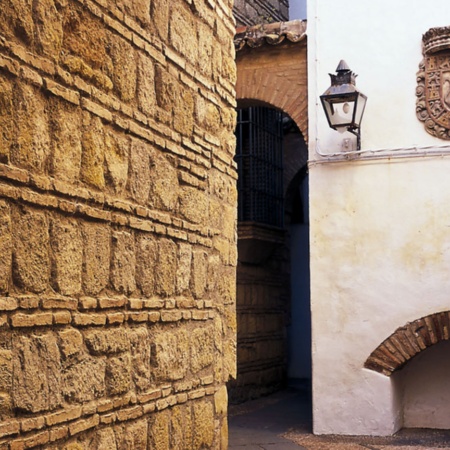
(343, 103)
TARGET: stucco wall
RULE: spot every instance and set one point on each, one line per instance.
(380, 252)
(117, 224)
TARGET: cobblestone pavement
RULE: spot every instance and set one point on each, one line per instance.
(282, 421)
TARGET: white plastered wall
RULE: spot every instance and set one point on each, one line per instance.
(380, 229)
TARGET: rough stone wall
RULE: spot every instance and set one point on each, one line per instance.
(252, 12)
(117, 223)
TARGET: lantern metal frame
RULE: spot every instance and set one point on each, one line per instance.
(343, 92)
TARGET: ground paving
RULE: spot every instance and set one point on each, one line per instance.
(282, 421)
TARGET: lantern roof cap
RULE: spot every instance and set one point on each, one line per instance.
(343, 67)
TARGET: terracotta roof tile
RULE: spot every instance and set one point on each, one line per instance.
(271, 33)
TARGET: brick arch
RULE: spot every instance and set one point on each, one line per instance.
(407, 341)
(275, 76)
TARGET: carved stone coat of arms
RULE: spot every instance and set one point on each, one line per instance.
(433, 83)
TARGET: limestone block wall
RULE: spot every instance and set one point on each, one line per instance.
(117, 223)
(252, 12)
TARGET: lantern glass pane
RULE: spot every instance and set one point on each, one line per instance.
(340, 109)
(360, 106)
(342, 114)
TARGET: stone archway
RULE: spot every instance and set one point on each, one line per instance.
(271, 72)
(407, 341)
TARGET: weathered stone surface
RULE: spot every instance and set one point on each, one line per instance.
(105, 440)
(184, 267)
(118, 374)
(74, 446)
(167, 89)
(93, 155)
(100, 341)
(5, 246)
(117, 149)
(36, 354)
(146, 94)
(193, 205)
(16, 19)
(140, 357)
(70, 342)
(6, 380)
(86, 38)
(101, 210)
(212, 118)
(97, 247)
(221, 401)
(169, 352)
(31, 261)
(124, 68)
(199, 276)
(205, 40)
(123, 265)
(223, 218)
(6, 369)
(228, 117)
(214, 269)
(224, 434)
(183, 118)
(31, 138)
(6, 118)
(49, 32)
(159, 432)
(139, 173)
(167, 267)
(67, 255)
(132, 436)
(164, 186)
(178, 425)
(229, 70)
(137, 9)
(146, 261)
(183, 33)
(229, 368)
(226, 284)
(202, 348)
(84, 380)
(160, 17)
(66, 141)
(203, 413)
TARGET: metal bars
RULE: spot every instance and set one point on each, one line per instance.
(259, 155)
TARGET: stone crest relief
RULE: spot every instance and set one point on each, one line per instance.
(433, 83)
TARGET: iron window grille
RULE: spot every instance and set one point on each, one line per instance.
(259, 157)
